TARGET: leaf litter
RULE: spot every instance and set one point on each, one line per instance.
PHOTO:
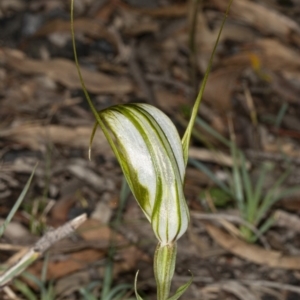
(133, 52)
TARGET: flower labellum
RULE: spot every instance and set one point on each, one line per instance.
(149, 151)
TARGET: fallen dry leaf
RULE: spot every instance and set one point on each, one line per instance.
(92, 231)
(170, 11)
(269, 53)
(90, 27)
(64, 71)
(61, 208)
(37, 136)
(130, 255)
(274, 55)
(168, 100)
(253, 253)
(71, 263)
(224, 79)
(264, 19)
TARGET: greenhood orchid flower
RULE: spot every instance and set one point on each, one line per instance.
(150, 153)
(153, 160)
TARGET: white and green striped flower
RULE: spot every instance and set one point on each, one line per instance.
(150, 153)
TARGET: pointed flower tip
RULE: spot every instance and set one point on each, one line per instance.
(150, 153)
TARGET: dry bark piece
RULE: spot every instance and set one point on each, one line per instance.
(287, 220)
(11, 5)
(103, 212)
(83, 173)
(253, 253)
(212, 156)
(233, 287)
(14, 230)
(65, 286)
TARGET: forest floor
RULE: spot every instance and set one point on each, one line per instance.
(154, 52)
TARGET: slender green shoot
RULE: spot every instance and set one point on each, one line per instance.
(187, 135)
(280, 115)
(181, 289)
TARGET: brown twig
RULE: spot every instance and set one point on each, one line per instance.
(43, 244)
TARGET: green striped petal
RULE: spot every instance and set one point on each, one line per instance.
(150, 153)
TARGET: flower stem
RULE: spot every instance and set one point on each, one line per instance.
(164, 266)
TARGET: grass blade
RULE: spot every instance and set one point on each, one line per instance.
(87, 295)
(25, 290)
(254, 203)
(18, 203)
(199, 165)
(277, 196)
(118, 291)
(237, 181)
(108, 276)
(212, 132)
(247, 185)
(271, 197)
(138, 297)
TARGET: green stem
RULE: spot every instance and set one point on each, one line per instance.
(192, 45)
(164, 267)
(87, 96)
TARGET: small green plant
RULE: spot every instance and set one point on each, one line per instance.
(35, 212)
(119, 292)
(46, 292)
(252, 201)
